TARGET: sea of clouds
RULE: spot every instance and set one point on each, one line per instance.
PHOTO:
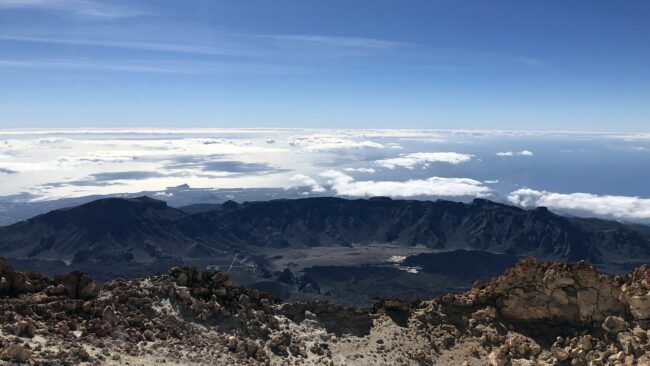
(603, 175)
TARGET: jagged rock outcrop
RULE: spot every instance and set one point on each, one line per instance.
(13, 283)
(78, 285)
(582, 316)
(566, 294)
(557, 293)
(10, 281)
(537, 313)
(636, 292)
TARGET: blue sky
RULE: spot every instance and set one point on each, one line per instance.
(533, 65)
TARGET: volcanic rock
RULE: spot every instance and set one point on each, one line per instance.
(78, 285)
(537, 313)
(14, 353)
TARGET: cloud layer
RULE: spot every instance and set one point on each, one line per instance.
(301, 180)
(345, 185)
(410, 161)
(620, 207)
(54, 164)
(515, 153)
(320, 142)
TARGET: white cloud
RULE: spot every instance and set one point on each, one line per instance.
(322, 142)
(410, 161)
(620, 207)
(159, 66)
(12, 146)
(20, 167)
(345, 185)
(495, 181)
(143, 46)
(52, 153)
(351, 42)
(643, 136)
(516, 153)
(405, 134)
(63, 163)
(143, 131)
(301, 180)
(360, 170)
(85, 8)
(53, 166)
(43, 160)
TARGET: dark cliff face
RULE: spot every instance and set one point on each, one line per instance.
(145, 229)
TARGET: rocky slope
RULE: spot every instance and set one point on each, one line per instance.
(537, 313)
(144, 230)
(108, 230)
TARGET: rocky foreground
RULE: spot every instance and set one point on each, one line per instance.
(536, 313)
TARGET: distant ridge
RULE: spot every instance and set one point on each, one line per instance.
(146, 230)
(106, 230)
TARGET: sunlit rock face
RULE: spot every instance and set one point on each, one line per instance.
(557, 293)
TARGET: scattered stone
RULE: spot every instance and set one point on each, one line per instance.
(25, 328)
(78, 285)
(15, 353)
(575, 316)
(109, 315)
(614, 324)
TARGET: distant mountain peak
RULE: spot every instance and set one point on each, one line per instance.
(230, 205)
(142, 200)
(380, 198)
(482, 202)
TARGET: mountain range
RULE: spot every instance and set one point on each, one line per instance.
(145, 230)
